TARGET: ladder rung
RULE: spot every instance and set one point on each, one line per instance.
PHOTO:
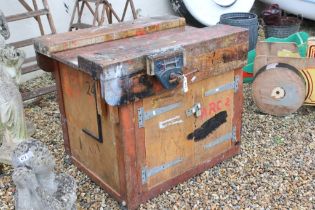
(22, 43)
(29, 69)
(93, 1)
(38, 92)
(26, 15)
(81, 25)
(30, 60)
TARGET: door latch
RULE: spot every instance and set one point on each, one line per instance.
(195, 110)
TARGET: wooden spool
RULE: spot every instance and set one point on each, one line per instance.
(279, 89)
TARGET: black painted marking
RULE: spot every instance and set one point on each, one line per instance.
(66, 7)
(208, 127)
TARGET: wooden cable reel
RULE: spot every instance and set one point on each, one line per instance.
(278, 89)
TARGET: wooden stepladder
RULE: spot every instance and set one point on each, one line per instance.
(107, 12)
(30, 64)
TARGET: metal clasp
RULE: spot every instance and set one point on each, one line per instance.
(228, 86)
(195, 110)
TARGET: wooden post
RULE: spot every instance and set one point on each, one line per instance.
(98, 16)
(30, 64)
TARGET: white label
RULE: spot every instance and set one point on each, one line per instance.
(185, 84)
(169, 122)
(26, 156)
(271, 66)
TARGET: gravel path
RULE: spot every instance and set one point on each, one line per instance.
(276, 167)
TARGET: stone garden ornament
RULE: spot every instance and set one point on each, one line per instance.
(12, 121)
(37, 185)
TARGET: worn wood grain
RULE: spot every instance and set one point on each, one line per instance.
(70, 40)
(121, 64)
(101, 158)
(214, 56)
(279, 90)
(171, 139)
(132, 51)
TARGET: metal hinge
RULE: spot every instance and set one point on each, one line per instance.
(221, 139)
(148, 172)
(195, 110)
(228, 86)
(143, 116)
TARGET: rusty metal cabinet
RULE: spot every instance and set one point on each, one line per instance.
(148, 104)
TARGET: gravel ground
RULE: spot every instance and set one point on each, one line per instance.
(275, 169)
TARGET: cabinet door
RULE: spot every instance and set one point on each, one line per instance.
(183, 130)
(214, 129)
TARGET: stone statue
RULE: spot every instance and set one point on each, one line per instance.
(12, 121)
(4, 29)
(11, 59)
(37, 186)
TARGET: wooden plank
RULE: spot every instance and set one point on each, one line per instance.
(26, 6)
(112, 11)
(103, 57)
(46, 63)
(39, 21)
(22, 43)
(26, 15)
(49, 17)
(90, 8)
(29, 69)
(30, 60)
(141, 188)
(70, 57)
(206, 64)
(133, 10)
(132, 173)
(56, 73)
(96, 12)
(298, 63)
(37, 18)
(70, 40)
(73, 14)
(38, 92)
(81, 25)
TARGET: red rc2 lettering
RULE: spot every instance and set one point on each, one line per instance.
(214, 107)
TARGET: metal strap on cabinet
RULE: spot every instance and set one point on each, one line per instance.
(222, 88)
(143, 116)
(148, 172)
(221, 139)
